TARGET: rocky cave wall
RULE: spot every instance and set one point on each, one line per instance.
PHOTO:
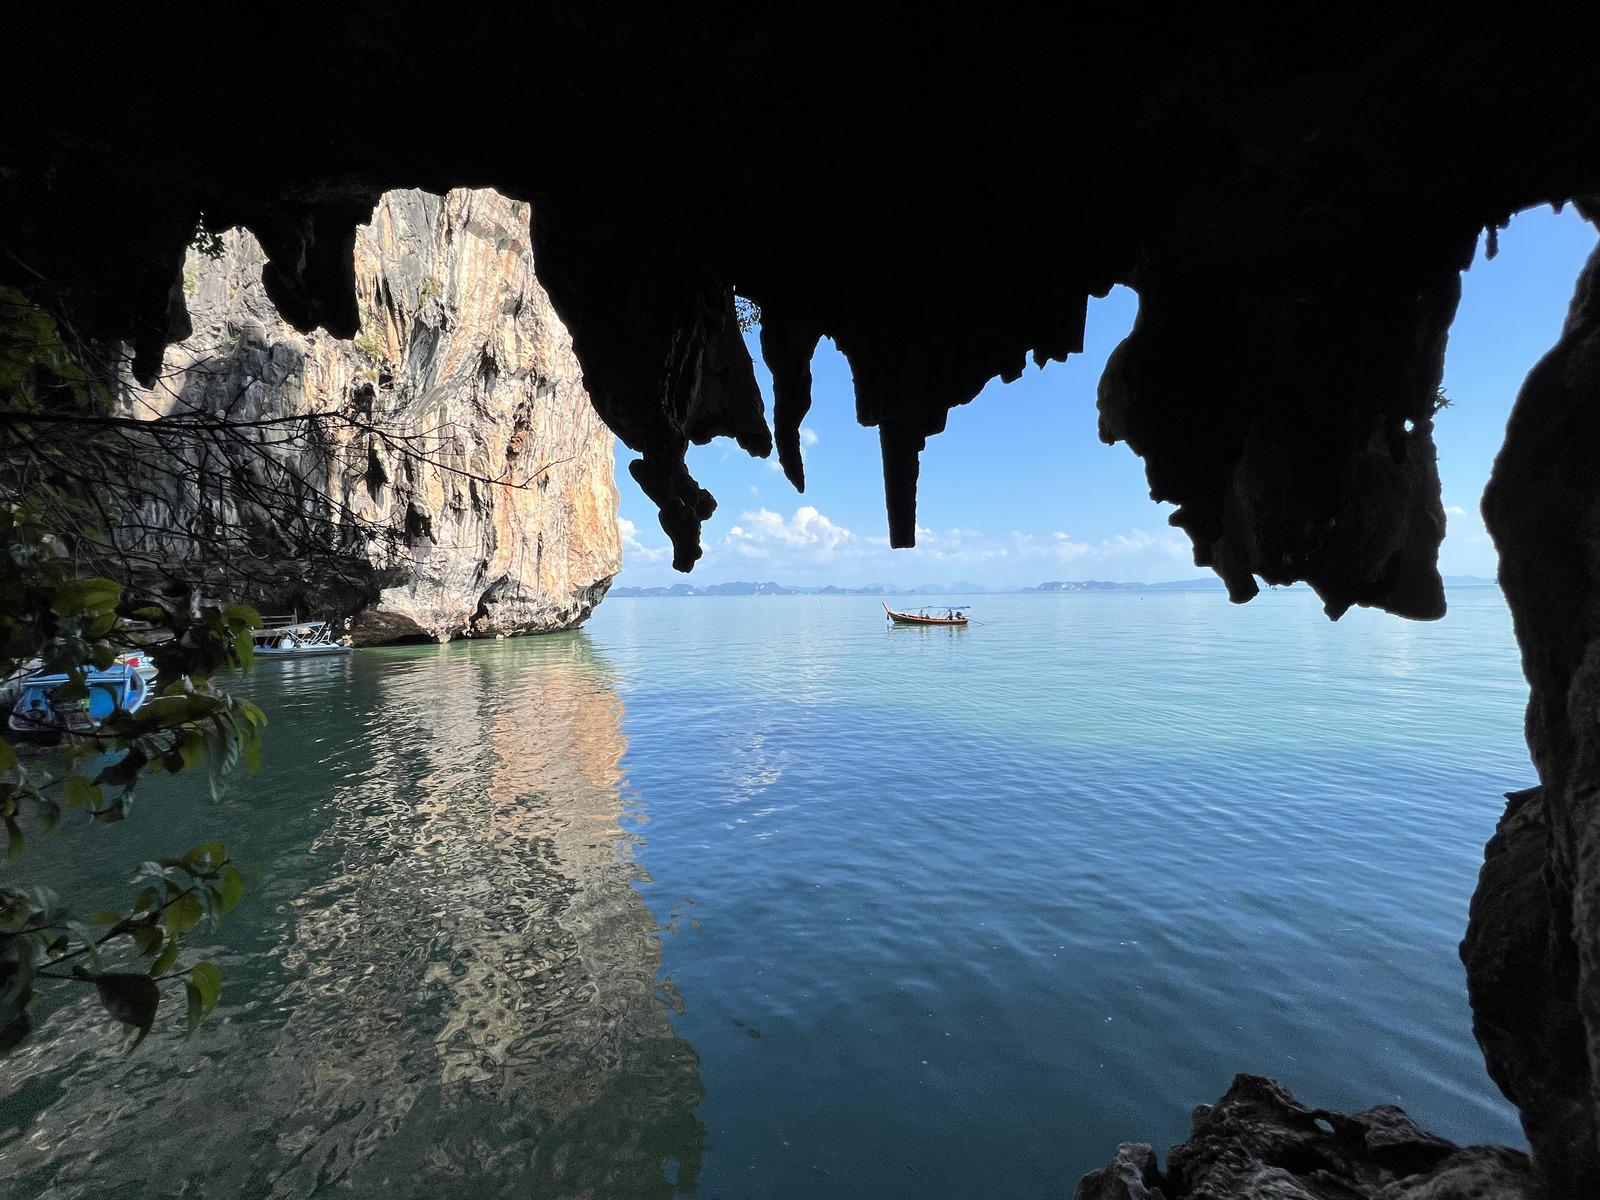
(1292, 200)
(1533, 946)
(452, 456)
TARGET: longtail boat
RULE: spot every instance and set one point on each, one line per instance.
(953, 616)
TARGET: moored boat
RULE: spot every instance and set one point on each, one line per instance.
(300, 639)
(952, 616)
(39, 710)
(140, 661)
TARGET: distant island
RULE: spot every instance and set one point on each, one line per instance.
(753, 589)
(1208, 583)
(890, 589)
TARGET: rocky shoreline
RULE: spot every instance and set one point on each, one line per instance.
(1259, 1143)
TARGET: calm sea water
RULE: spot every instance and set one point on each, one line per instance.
(759, 897)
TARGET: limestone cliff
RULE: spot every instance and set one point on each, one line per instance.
(445, 472)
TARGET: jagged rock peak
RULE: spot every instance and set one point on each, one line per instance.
(459, 478)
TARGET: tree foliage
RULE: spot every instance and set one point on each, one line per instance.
(55, 617)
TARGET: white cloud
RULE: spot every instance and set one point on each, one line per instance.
(1140, 542)
(808, 547)
(761, 531)
(635, 550)
(1067, 550)
(1121, 545)
(808, 436)
(1455, 512)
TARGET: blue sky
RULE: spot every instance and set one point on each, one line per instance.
(1019, 489)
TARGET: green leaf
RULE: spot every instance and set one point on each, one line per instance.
(184, 913)
(8, 757)
(148, 939)
(131, 999)
(106, 916)
(14, 844)
(79, 792)
(145, 900)
(207, 979)
(192, 748)
(232, 888)
(85, 595)
(205, 855)
(241, 616)
(196, 1006)
(166, 959)
(244, 649)
(49, 817)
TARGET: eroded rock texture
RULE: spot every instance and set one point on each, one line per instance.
(1533, 947)
(1259, 1143)
(1292, 201)
(455, 476)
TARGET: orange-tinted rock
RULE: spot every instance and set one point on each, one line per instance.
(462, 471)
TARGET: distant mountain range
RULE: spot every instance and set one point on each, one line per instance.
(749, 589)
(1209, 583)
(890, 589)
(1206, 584)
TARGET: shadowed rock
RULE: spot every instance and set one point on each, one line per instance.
(1259, 1143)
(941, 198)
(1532, 949)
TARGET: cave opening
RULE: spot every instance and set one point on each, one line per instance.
(1292, 211)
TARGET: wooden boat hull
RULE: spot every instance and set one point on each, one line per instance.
(900, 618)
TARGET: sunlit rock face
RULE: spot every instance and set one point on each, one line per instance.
(460, 481)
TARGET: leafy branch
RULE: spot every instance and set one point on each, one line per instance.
(40, 938)
(56, 621)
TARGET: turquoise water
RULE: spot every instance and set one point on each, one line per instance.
(759, 897)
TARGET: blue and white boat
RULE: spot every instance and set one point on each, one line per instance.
(37, 710)
(297, 639)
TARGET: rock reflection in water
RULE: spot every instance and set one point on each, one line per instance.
(472, 1003)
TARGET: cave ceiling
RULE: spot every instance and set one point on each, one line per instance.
(1292, 198)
